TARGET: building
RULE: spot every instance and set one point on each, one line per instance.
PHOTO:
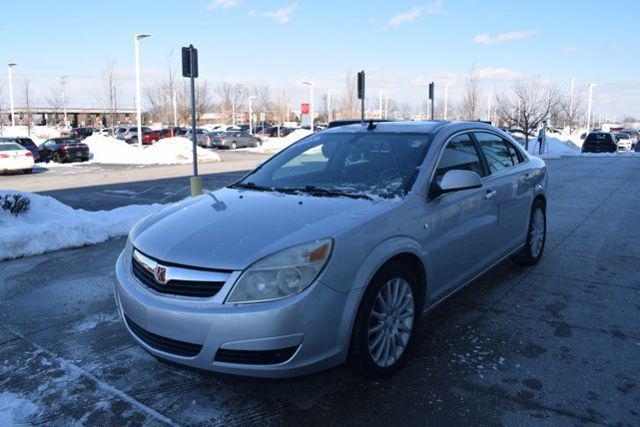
(96, 117)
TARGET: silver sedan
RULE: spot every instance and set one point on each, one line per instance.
(332, 250)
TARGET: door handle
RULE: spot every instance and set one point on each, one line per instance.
(490, 194)
(527, 178)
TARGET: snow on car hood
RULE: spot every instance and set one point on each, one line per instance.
(232, 228)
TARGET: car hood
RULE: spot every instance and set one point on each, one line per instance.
(231, 228)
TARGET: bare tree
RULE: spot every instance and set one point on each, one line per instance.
(350, 108)
(55, 101)
(405, 111)
(261, 103)
(529, 105)
(571, 111)
(232, 97)
(281, 107)
(26, 87)
(111, 90)
(471, 97)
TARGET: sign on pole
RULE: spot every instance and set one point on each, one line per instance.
(361, 92)
(190, 69)
(431, 96)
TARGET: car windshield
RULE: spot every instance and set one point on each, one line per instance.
(622, 136)
(357, 165)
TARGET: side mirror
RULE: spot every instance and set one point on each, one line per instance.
(455, 180)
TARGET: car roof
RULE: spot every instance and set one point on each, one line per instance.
(407, 126)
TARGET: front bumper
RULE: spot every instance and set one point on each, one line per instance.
(317, 322)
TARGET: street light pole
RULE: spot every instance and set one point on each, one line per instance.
(63, 81)
(328, 106)
(175, 109)
(380, 92)
(386, 107)
(446, 99)
(310, 84)
(591, 85)
(13, 116)
(251, 114)
(573, 81)
(136, 43)
(489, 107)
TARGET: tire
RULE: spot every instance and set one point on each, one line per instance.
(536, 236)
(367, 349)
(56, 158)
(27, 171)
(233, 146)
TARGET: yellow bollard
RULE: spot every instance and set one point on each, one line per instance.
(196, 186)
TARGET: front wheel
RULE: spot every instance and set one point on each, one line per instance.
(531, 253)
(56, 158)
(386, 321)
(233, 146)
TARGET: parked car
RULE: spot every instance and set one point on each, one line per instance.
(62, 150)
(150, 137)
(14, 157)
(624, 141)
(122, 130)
(107, 132)
(234, 140)
(81, 133)
(202, 136)
(26, 143)
(131, 135)
(332, 250)
(600, 142)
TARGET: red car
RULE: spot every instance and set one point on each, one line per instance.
(151, 137)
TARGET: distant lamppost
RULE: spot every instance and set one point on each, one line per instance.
(328, 106)
(251, 98)
(136, 43)
(63, 82)
(10, 65)
(380, 92)
(591, 86)
(446, 99)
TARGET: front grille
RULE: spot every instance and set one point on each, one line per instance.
(168, 345)
(255, 357)
(189, 288)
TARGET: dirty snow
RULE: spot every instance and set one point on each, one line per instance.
(168, 151)
(15, 409)
(275, 145)
(50, 225)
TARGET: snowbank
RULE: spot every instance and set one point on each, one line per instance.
(50, 225)
(275, 145)
(39, 134)
(168, 151)
(569, 145)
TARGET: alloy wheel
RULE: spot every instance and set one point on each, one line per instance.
(390, 322)
(536, 235)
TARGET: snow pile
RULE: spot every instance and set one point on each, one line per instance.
(168, 151)
(275, 145)
(39, 134)
(569, 145)
(50, 225)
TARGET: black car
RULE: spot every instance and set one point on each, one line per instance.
(81, 133)
(600, 142)
(26, 143)
(61, 150)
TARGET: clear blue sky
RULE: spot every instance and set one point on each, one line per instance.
(401, 44)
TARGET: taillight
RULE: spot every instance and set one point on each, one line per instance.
(4, 156)
(224, 138)
(28, 154)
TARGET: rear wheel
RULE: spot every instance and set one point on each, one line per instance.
(536, 236)
(56, 158)
(386, 321)
(27, 171)
(233, 146)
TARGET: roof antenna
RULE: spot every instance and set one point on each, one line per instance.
(371, 125)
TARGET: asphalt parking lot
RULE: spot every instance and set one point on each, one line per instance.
(557, 344)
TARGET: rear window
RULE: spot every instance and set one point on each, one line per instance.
(597, 138)
(10, 147)
(622, 136)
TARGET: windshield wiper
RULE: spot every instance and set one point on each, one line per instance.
(319, 191)
(250, 186)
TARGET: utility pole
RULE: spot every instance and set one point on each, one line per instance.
(10, 65)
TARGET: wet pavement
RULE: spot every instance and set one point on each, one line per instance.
(557, 344)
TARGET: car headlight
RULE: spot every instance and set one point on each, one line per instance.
(282, 274)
